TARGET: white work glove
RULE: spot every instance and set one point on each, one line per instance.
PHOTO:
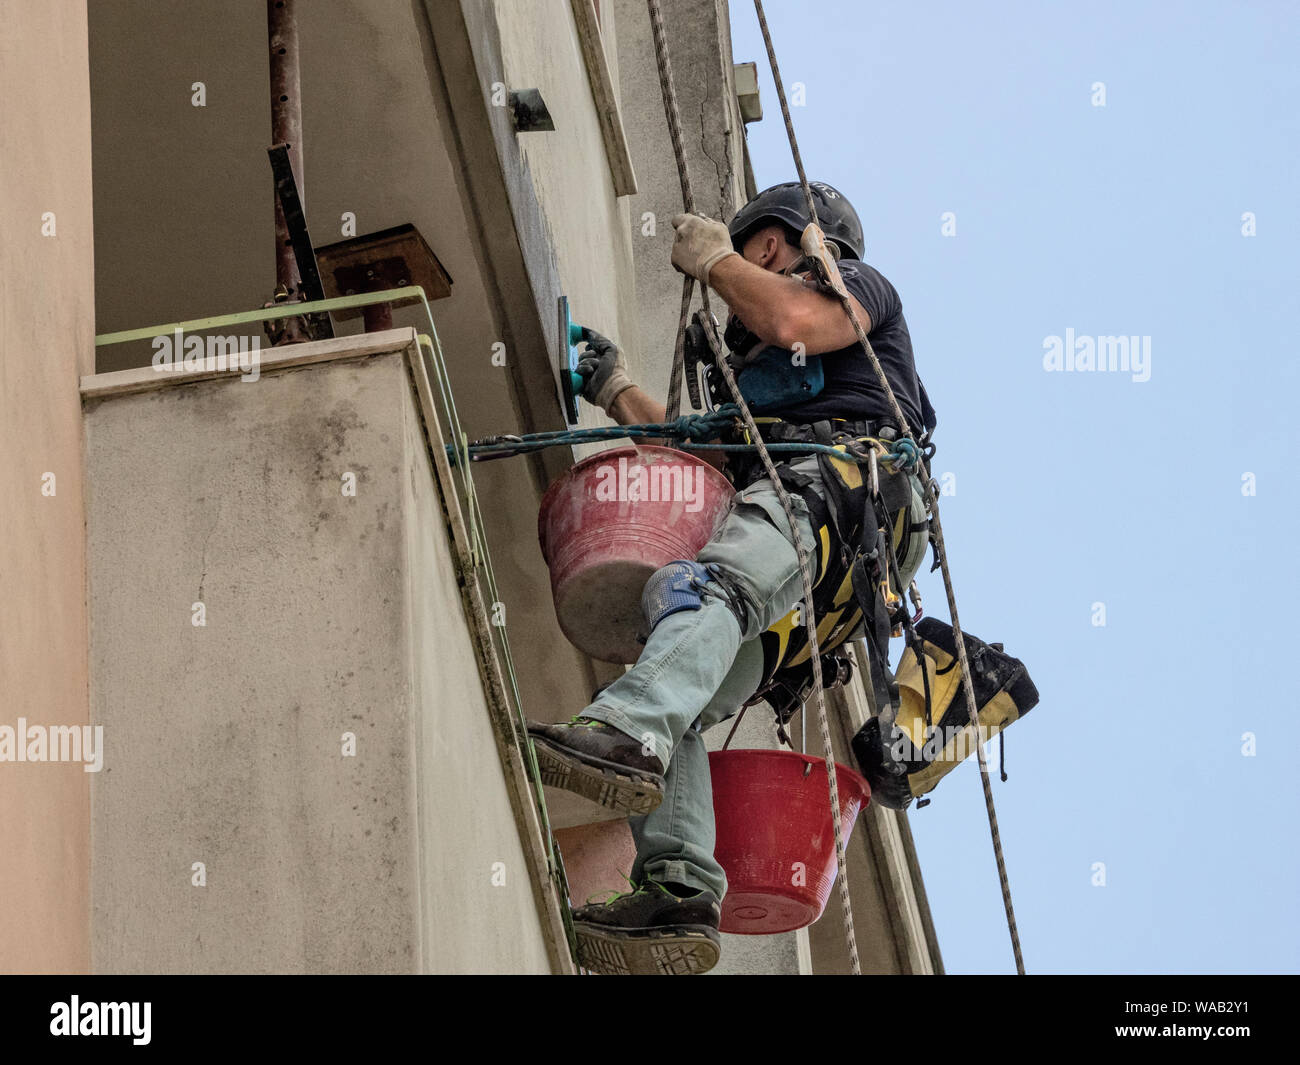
(603, 369)
(699, 245)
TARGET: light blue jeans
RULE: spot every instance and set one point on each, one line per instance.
(697, 668)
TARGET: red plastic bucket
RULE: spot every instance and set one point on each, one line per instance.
(609, 523)
(775, 839)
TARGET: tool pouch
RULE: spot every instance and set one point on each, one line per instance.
(931, 734)
(772, 380)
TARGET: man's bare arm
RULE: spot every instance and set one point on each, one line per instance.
(783, 310)
(635, 406)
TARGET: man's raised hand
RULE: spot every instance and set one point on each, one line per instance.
(699, 244)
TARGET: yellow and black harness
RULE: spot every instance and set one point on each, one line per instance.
(854, 588)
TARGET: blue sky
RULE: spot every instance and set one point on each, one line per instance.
(1075, 488)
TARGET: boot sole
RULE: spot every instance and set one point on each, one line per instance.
(614, 787)
(674, 950)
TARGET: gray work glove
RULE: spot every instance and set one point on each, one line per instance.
(699, 244)
(603, 370)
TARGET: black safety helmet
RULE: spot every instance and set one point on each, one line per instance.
(785, 203)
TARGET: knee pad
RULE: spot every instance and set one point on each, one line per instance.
(677, 586)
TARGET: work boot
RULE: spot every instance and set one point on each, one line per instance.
(652, 931)
(600, 763)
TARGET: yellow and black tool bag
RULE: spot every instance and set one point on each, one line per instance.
(932, 733)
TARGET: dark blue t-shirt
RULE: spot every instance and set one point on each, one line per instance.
(852, 390)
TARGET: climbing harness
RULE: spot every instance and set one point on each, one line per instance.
(849, 522)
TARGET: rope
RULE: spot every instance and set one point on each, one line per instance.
(692, 431)
(931, 502)
(669, 92)
(674, 403)
(668, 89)
(785, 114)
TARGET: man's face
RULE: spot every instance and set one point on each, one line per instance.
(767, 248)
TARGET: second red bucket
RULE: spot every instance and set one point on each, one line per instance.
(775, 839)
(609, 523)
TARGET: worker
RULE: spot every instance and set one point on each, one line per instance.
(638, 747)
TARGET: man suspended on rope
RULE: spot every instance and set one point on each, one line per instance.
(724, 629)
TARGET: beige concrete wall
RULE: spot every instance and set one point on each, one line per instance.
(325, 614)
(587, 225)
(46, 330)
(699, 44)
(477, 905)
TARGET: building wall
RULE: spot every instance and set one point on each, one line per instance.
(325, 615)
(46, 331)
(699, 46)
(586, 224)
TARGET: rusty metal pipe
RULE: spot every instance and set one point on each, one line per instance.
(378, 317)
(286, 125)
